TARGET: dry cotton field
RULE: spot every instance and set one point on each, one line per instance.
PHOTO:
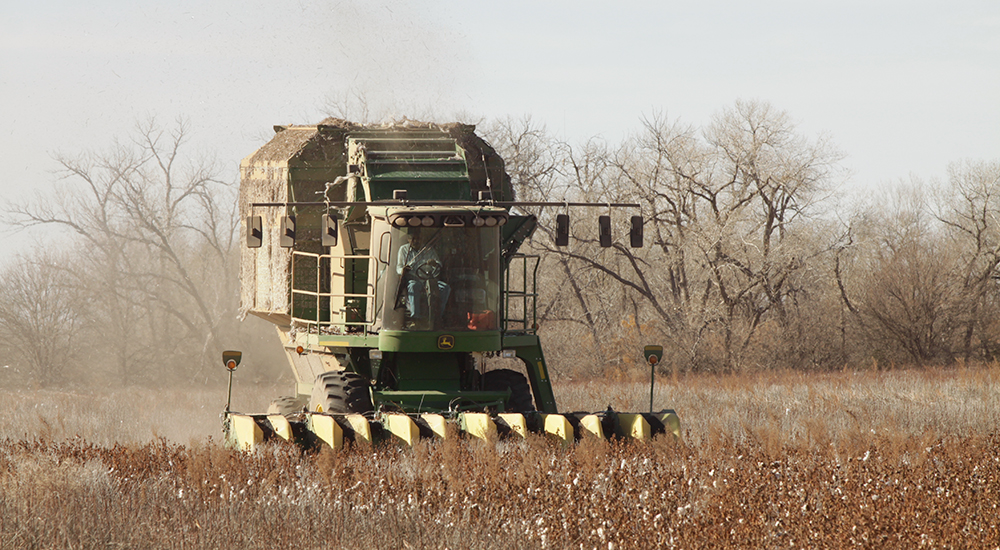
(900, 459)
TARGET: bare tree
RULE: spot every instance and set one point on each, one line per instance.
(40, 317)
(969, 206)
(766, 179)
(160, 230)
(900, 281)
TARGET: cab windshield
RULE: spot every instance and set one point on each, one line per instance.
(443, 279)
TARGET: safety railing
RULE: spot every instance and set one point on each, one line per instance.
(322, 276)
(520, 295)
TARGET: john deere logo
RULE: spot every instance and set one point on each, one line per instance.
(446, 341)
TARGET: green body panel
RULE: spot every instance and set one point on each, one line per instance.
(529, 350)
(422, 190)
(397, 340)
(422, 368)
(427, 371)
(428, 167)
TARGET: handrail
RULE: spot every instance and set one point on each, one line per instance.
(529, 321)
(330, 294)
(319, 295)
(332, 256)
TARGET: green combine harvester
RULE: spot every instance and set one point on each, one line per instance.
(387, 258)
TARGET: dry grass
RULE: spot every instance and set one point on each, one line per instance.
(898, 459)
(799, 406)
(133, 415)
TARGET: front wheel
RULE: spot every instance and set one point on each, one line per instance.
(341, 392)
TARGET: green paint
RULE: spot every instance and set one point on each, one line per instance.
(399, 340)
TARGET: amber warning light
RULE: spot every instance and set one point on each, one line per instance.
(653, 354)
(231, 359)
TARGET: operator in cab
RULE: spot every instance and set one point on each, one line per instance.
(420, 268)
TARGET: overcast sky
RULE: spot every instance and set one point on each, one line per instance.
(902, 88)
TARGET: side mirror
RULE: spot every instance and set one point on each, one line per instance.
(635, 236)
(562, 230)
(255, 232)
(287, 236)
(231, 358)
(330, 227)
(604, 230)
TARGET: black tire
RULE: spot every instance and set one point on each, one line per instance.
(287, 406)
(520, 392)
(340, 392)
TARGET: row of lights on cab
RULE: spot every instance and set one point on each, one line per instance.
(428, 221)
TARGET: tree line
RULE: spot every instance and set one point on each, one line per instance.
(143, 289)
(753, 257)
